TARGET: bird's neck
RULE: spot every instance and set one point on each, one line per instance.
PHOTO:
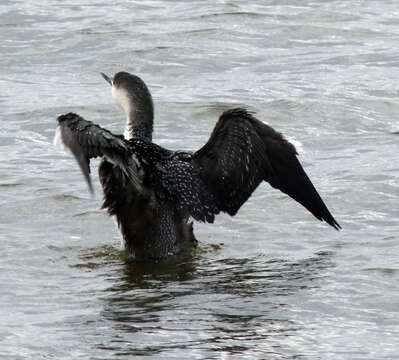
(139, 124)
(139, 110)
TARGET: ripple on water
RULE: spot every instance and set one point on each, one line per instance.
(270, 283)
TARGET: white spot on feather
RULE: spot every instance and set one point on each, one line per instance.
(57, 142)
(123, 241)
(298, 145)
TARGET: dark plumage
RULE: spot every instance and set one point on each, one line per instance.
(153, 191)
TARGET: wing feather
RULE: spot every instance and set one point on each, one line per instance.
(87, 140)
(242, 152)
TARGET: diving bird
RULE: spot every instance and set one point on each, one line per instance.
(153, 192)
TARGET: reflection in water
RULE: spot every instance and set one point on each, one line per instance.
(226, 305)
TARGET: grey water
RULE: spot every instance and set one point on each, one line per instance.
(270, 283)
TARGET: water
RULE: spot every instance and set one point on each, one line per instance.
(271, 283)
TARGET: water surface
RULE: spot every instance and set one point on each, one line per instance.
(270, 283)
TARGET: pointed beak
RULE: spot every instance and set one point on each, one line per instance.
(107, 78)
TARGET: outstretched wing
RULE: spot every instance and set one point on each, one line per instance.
(242, 152)
(87, 140)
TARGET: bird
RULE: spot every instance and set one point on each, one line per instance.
(155, 194)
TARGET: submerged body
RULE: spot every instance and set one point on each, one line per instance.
(151, 226)
(153, 192)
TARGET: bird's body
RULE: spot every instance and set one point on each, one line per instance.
(153, 192)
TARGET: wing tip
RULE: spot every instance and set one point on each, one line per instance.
(65, 117)
(335, 225)
(329, 219)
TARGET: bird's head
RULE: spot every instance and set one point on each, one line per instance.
(129, 92)
(133, 96)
